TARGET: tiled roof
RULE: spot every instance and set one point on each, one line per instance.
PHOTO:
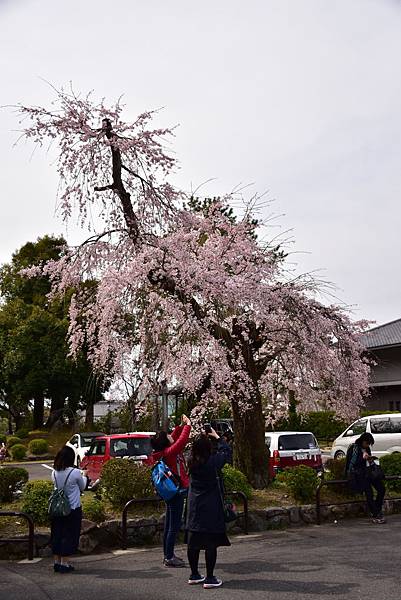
(388, 334)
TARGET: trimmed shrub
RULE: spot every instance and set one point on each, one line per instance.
(18, 451)
(35, 499)
(10, 478)
(12, 440)
(38, 446)
(391, 465)
(335, 469)
(93, 509)
(22, 433)
(336, 466)
(301, 481)
(372, 413)
(235, 481)
(38, 433)
(124, 479)
(3, 438)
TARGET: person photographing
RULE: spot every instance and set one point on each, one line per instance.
(206, 527)
(169, 448)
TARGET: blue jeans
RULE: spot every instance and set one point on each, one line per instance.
(174, 508)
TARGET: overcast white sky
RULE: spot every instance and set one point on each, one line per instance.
(300, 97)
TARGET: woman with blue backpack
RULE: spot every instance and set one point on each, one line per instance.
(65, 509)
(168, 452)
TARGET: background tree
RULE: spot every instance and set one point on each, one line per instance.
(210, 306)
(34, 353)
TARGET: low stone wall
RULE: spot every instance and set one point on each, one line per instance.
(149, 531)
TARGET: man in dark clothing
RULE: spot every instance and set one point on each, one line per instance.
(359, 470)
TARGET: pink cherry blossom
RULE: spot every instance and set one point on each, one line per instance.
(191, 298)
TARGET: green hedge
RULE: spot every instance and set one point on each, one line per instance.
(18, 451)
(372, 413)
(301, 481)
(391, 465)
(336, 467)
(124, 479)
(12, 440)
(324, 424)
(235, 481)
(38, 446)
(10, 477)
(38, 433)
(35, 499)
(93, 509)
(22, 433)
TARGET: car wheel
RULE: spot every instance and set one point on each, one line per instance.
(339, 454)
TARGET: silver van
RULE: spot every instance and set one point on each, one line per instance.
(386, 430)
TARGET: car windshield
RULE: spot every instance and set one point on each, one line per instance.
(87, 440)
(130, 447)
(296, 441)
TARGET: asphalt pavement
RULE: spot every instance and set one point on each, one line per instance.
(351, 561)
(36, 469)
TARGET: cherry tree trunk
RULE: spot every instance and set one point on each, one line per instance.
(250, 452)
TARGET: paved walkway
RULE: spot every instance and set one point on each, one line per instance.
(353, 560)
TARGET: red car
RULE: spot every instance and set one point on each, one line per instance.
(133, 446)
(292, 448)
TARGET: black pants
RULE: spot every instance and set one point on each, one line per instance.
(375, 504)
(210, 557)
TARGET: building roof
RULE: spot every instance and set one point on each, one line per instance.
(388, 334)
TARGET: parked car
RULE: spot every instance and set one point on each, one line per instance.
(80, 443)
(385, 428)
(134, 446)
(291, 449)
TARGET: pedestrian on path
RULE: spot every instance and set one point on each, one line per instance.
(65, 531)
(206, 527)
(364, 475)
(3, 452)
(169, 448)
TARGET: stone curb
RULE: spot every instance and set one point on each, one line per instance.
(149, 531)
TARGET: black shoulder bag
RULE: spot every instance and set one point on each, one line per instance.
(230, 514)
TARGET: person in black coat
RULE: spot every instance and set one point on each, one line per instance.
(206, 528)
(360, 472)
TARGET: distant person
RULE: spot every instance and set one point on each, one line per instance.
(3, 452)
(65, 531)
(206, 528)
(170, 447)
(364, 476)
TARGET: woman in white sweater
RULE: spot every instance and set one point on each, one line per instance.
(65, 531)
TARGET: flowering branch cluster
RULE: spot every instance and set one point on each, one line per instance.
(192, 294)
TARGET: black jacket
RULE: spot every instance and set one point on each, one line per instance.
(205, 507)
(356, 467)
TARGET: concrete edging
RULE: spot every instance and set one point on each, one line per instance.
(149, 531)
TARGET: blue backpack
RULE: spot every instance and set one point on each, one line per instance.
(165, 482)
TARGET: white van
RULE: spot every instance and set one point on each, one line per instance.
(386, 430)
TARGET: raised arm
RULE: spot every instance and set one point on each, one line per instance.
(178, 446)
(175, 434)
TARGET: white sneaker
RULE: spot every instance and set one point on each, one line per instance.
(212, 582)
